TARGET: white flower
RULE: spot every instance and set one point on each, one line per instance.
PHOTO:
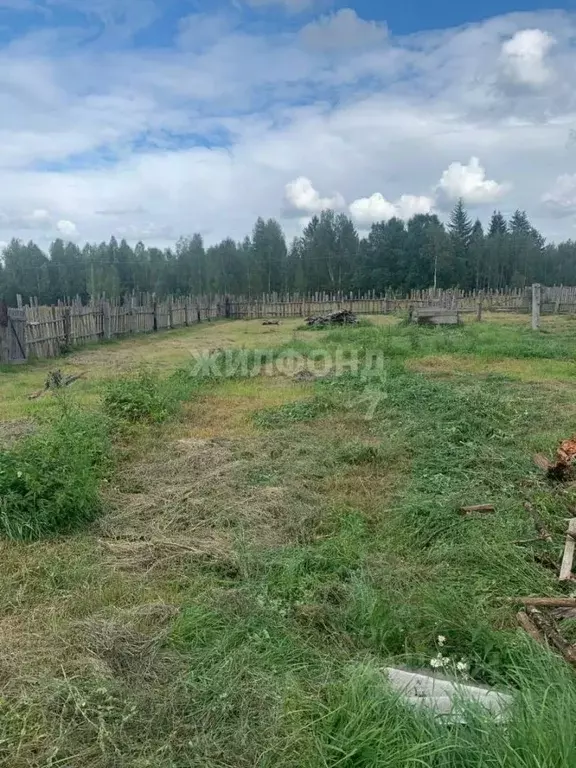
(462, 666)
(19, 474)
(439, 661)
(441, 640)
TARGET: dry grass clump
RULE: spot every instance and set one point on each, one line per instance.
(189, 499)
(129, 644)
(12, 431)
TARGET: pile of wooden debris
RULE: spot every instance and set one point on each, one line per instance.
(565, 456)
(56, 381)
(539, 619)
(342, 317)
(541, 616)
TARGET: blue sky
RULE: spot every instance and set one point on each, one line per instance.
(402, 18)
(157, 118)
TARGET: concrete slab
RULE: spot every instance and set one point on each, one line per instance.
(446, 697)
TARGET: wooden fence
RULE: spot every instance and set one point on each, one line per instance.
(34, 331)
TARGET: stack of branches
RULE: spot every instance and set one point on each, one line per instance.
(56, 380)
(539, 619)
(342, 317)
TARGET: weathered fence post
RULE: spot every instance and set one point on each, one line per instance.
(4, 349)
(536, 299)
(106, 319)
(66, 324)
(479, 309)
(557, 301)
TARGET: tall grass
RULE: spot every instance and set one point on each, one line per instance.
(49, 482)
(278, 660)
(487, 340)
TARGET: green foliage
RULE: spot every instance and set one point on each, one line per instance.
(49, 482)
(285, 616)
(138, 397)
(328, 256)
(483, 340)
(146, 396)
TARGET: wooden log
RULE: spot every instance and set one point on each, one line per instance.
(563, 613)
(528, 625)
(545, 602)
(541, 461)
(477, 508)
(569, 548)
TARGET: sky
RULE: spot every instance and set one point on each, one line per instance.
(155, 119)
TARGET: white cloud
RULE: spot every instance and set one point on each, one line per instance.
(67, 228)
(524, 57)
(342, 30)
(560, 200)
(411, 205)
(368, 210)
(40, 217)
(301, 196)
(156, 142)
(469, 182)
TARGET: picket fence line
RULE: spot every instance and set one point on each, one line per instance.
(34, 331)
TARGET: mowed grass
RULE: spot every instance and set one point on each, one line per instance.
(269, 548)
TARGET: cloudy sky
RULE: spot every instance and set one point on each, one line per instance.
(152, 119)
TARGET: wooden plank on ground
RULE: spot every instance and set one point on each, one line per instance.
(569, 548)
(477, 508)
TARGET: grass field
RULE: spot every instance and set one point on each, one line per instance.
(242, 563)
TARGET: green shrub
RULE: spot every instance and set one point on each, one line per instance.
(139, 397)
(49, 482)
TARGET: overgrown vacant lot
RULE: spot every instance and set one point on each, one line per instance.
(209, 571)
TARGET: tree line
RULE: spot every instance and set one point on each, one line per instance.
(329, 255)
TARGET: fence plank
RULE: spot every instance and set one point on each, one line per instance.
(48, 330)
